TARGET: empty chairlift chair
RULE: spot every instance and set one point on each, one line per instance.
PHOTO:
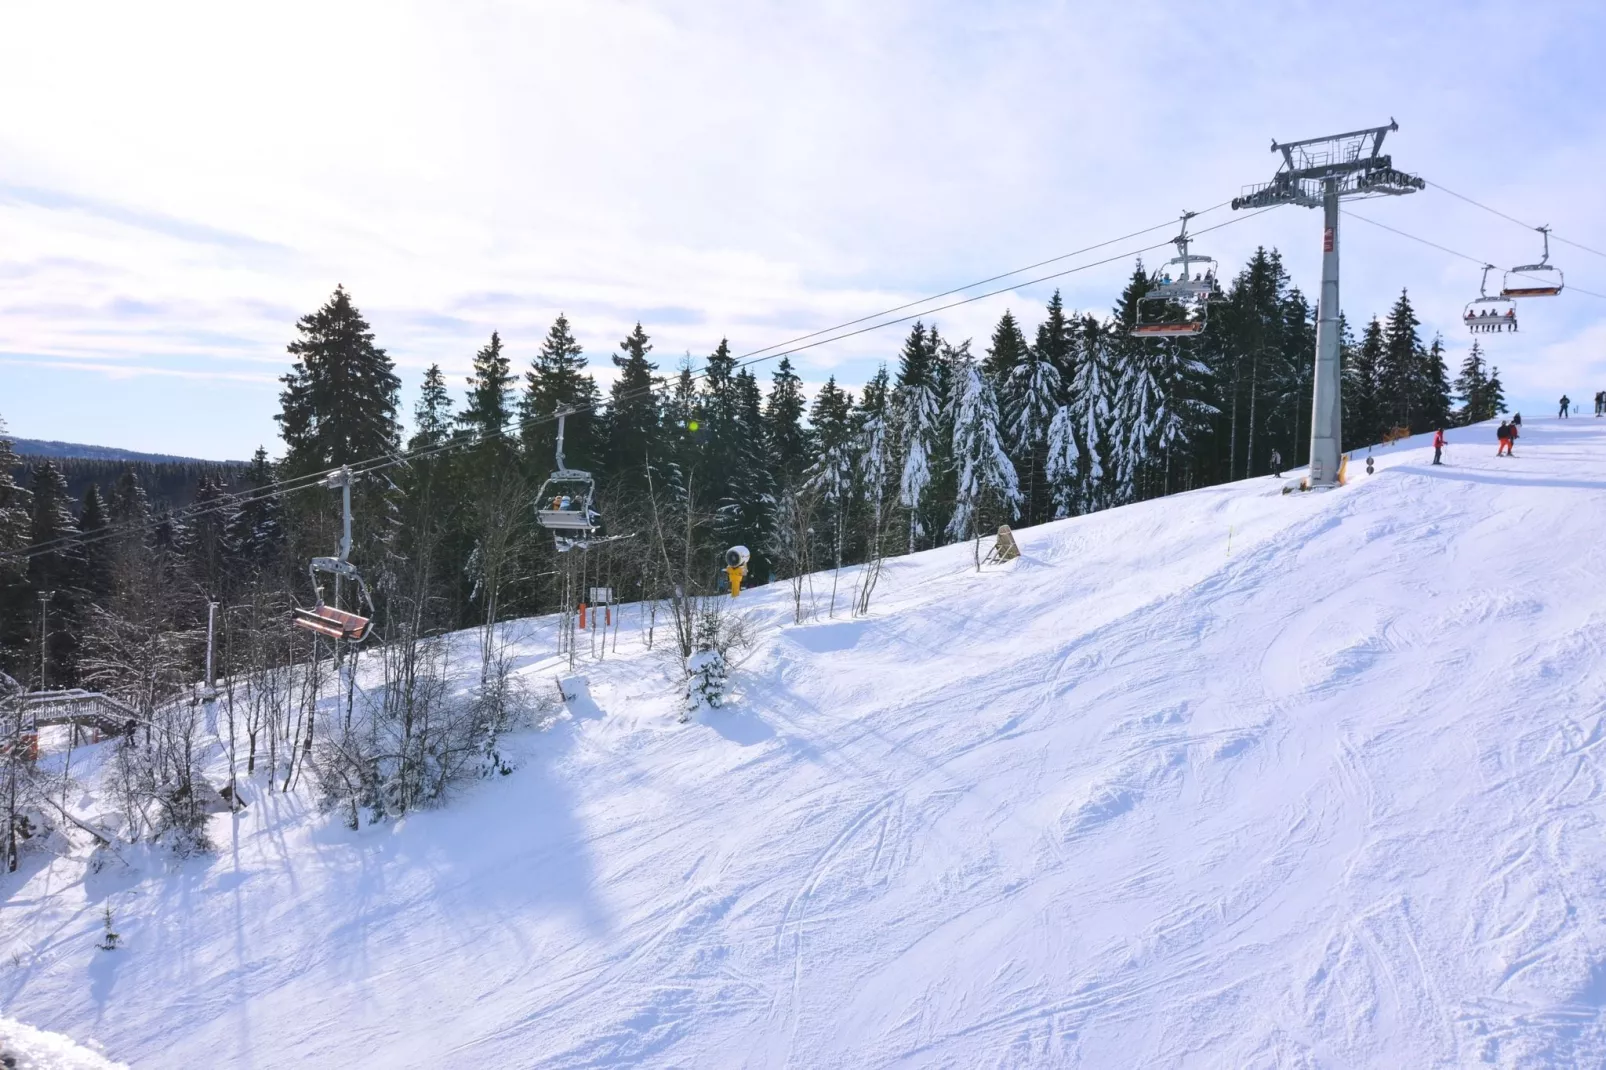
(330, 621)
(1535, 280)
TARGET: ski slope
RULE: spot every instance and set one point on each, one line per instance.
(1230, 779)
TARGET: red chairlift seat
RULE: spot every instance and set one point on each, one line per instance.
(1170, 330)
(332, 623)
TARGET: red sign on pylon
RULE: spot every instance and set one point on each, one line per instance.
(1327, 240)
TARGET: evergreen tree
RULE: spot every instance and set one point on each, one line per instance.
(1472, 387)
(1092, 412)
(783, 418)
(557, 378)
(1433, 384)
(1400, 373)
(1031, 396)
(256, 533)
(987, 490)
(832, 475)
(747, 507)
(1061, 463)
(1161, 410)
(1056, 340)
(432, 415)
(917, 403)
(56, 570)
(98, 551)
(874, 443)
(490, 394)
(1007, 350)
(1363, 413)
(632, 412)
(16, 596)
(1497, 393)
(339, 400)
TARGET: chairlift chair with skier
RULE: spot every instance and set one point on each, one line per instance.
(1180, 291)
(564, 504)
(1534, 280)
(1484, 314)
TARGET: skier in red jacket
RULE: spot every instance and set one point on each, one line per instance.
(1438, 445)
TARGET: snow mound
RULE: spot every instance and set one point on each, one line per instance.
(36, 1049)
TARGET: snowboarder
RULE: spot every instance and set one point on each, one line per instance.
(1504, 433)
(1276, 465)
(1438, 445)
(1565, 401)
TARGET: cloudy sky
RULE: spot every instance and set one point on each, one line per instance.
(179, 182)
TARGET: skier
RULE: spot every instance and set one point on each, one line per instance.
(1516, 423)
(1600, 400)
(1503, 432)
(1276, 465)
(1564, 403)
(1438, 445)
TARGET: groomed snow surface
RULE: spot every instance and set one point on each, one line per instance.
(1231, 779)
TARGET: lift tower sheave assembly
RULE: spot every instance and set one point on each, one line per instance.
(1319, 173)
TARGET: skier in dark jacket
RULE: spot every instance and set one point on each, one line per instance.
(1565, 401)
(1503, 433)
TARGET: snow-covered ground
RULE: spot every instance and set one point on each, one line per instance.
(1231, 779)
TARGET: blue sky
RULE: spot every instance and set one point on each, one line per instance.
(183, 180)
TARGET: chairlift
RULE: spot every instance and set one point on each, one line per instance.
(1180, 291)
(322, 619)
(1186, 275)
(1485, 314)
(564, 504)
(1534, 280)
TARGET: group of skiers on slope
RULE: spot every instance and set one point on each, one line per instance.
(1508, 431)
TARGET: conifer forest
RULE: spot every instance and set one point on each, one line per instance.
(1058, 413)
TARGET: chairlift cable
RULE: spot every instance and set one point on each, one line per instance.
(1480, 261)
(1512, 219)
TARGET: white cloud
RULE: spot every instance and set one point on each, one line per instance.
(183, 180)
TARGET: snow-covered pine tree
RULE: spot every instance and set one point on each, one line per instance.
(1092, 412)
(831, 477)
(1161, 410)
(1061, 463)
(917, 405)
(1030, 400)
(987, 491)
(707, 674)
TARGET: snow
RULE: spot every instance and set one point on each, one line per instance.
(1234, 778)
(36, 1049)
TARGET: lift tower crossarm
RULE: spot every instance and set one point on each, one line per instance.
(1318, 173)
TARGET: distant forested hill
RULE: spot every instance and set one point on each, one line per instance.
(34, 447)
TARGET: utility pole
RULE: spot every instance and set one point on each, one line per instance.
(44, 632)
(209, 692)
(1319, 173)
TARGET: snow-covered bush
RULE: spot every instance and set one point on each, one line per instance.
(707, 671)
